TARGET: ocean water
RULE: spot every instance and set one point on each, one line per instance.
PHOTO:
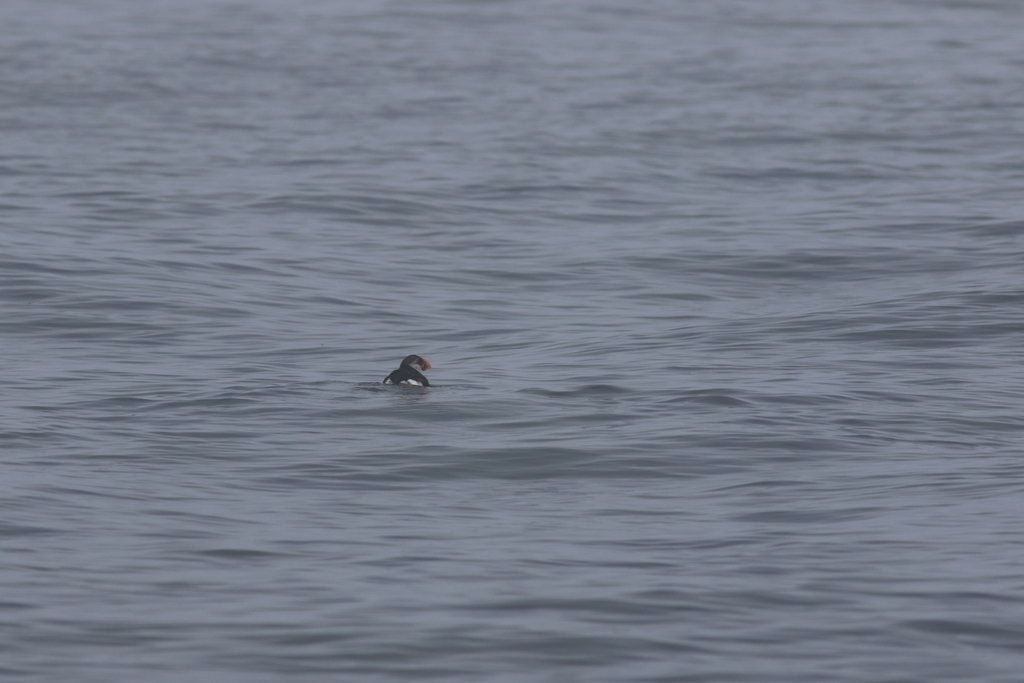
(724, 303)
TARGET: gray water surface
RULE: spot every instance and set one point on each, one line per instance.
(723, 301)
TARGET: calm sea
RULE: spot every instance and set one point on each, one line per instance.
(724, 302)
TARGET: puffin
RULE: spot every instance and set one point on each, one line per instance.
(409, 372)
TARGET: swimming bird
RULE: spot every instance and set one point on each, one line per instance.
(409, 372)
